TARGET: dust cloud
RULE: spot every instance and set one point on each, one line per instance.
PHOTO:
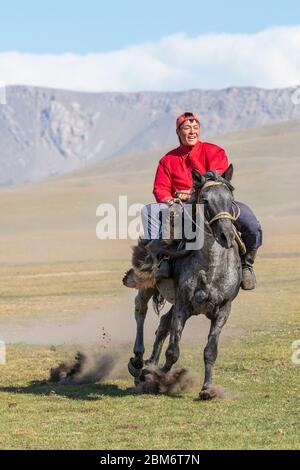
(87, 367)
(116, 320)
(172, 383)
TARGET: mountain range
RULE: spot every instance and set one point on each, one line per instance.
(45, 132)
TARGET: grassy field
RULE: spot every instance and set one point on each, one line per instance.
(261, 409)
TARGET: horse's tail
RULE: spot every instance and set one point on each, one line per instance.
(139, 254)
(142, 275)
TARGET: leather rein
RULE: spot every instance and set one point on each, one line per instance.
(221, 215)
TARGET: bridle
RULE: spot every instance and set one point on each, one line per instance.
(221, 215)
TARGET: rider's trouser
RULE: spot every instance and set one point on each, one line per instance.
(247, 224)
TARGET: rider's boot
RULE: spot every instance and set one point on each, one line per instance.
(248, 276)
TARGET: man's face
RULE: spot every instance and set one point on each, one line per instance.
(189, 132)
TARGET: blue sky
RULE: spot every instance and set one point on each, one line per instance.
(158, 45)
(58, 26)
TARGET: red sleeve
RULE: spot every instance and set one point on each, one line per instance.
(216, 159)
(162, 183)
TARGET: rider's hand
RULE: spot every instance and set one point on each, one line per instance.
(185, 194)
(174, 200)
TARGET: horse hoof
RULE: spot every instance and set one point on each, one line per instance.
(207, 394)
(134, 371)
(144, 373)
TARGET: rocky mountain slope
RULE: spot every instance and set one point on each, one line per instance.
(45, 131)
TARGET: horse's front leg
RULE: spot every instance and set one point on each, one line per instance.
(179, 317)
(160, 336)
(136, 363)
(211, 351)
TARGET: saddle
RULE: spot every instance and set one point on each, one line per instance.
(146, 256)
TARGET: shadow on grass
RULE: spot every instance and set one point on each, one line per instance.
(88, 392)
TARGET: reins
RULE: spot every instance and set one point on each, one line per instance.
(221, 215)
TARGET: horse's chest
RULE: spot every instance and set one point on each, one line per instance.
(205, 298)
(209, 293)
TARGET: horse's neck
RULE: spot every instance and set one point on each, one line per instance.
(210, 250)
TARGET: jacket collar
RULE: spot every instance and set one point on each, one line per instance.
(186, 149)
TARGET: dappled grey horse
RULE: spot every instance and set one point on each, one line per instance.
(206, 281)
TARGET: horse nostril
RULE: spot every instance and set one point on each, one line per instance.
(223, 237)
(225, 240)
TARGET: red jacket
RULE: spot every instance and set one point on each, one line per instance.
(174, 169)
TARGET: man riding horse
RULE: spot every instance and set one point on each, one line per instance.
(173, 183)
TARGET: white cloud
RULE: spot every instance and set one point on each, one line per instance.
(270, 58)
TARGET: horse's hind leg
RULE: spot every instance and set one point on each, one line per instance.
(160, 336)
(211, 351)
(136, 363)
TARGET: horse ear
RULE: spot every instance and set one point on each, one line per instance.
(198, 179)
(227, 175)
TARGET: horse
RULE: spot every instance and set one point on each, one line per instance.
(204, 281)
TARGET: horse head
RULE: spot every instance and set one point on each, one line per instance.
(215, 192)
